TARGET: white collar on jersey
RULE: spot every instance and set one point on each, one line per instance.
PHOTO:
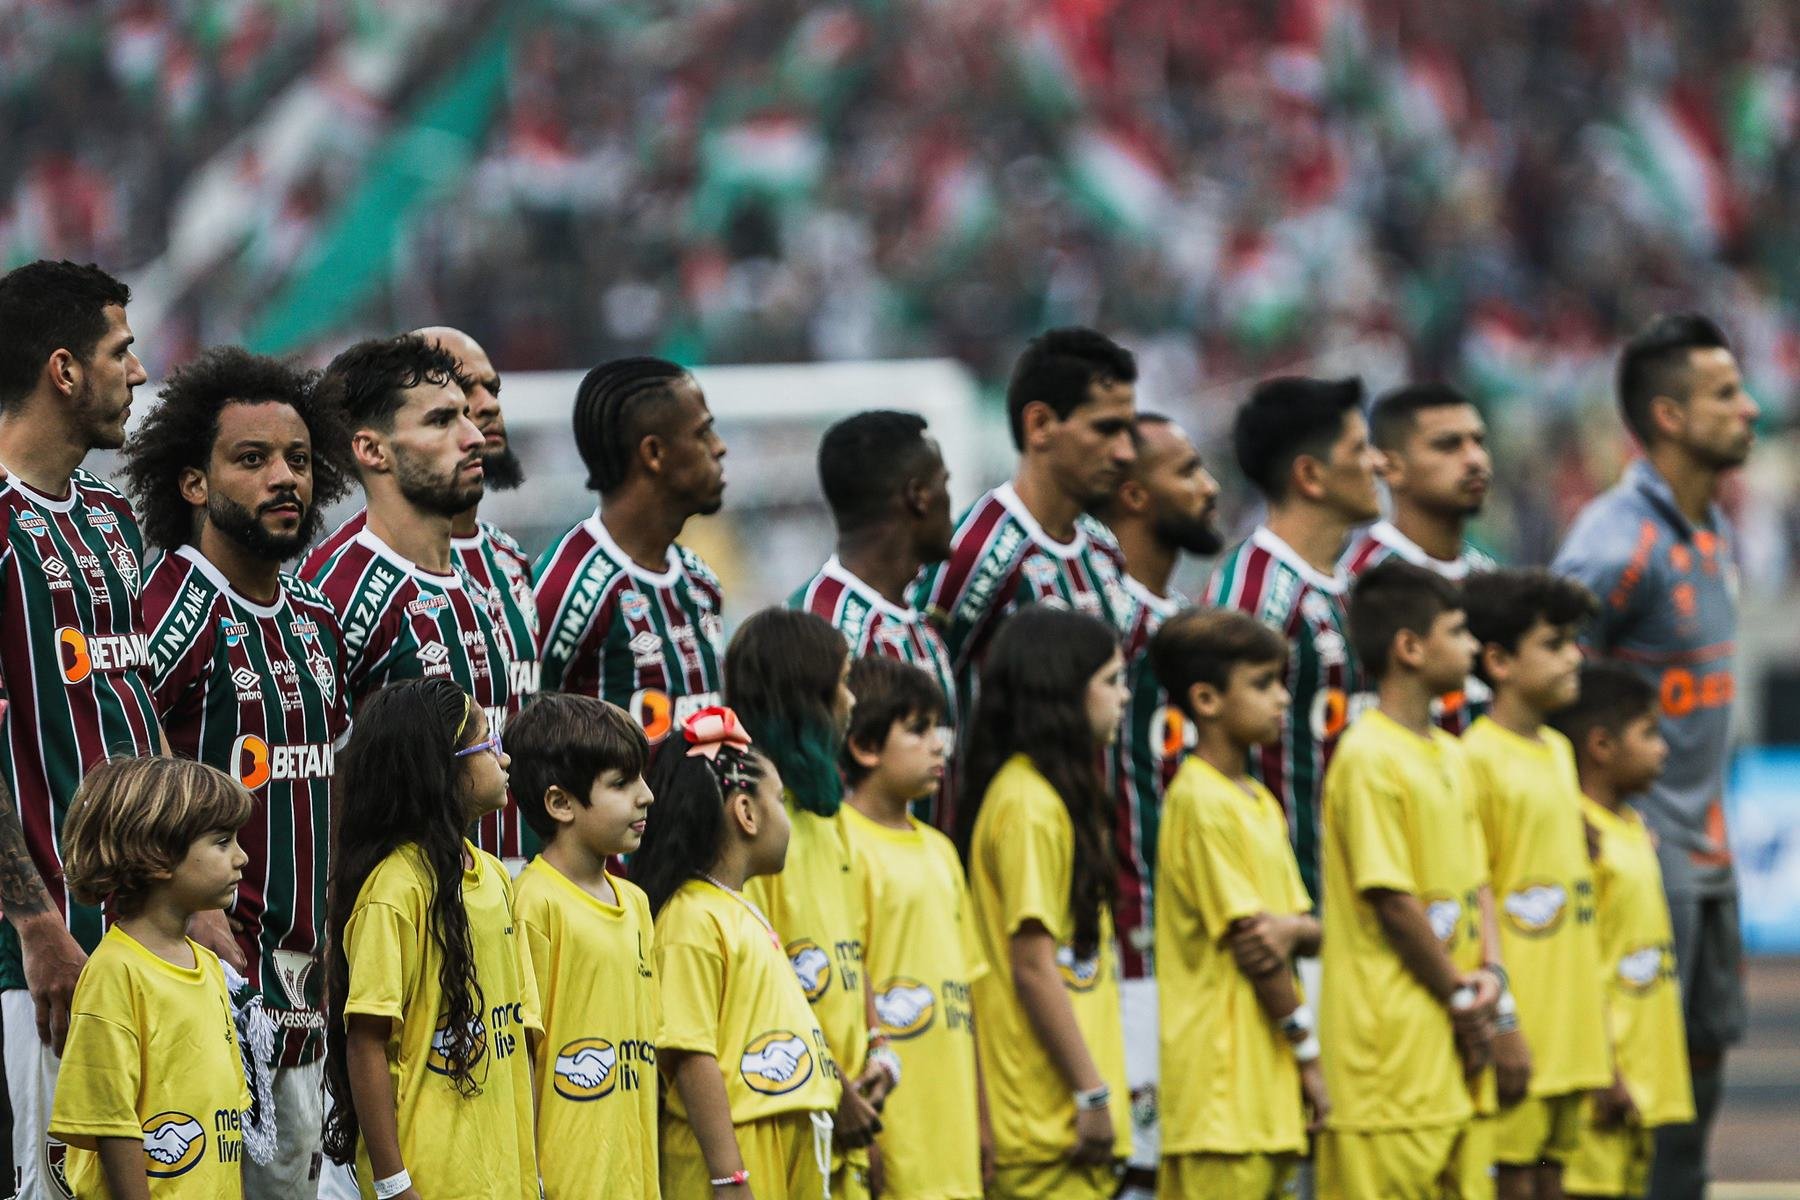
(835, 569)
(453, 580)
(1335, 584)
(629, 565)
(61, 504)
(205, 566)
(1389, 535)
(1162, 606)
(1069, 549)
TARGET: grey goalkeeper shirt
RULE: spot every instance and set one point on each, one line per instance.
(1668, 594)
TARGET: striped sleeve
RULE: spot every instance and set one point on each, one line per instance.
(181, 638)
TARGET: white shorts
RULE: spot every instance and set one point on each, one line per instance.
(337, 1181)
(1137, 1006)
(299, 1127)
(31, 1070)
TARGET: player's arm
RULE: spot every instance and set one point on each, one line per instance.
(1512, 1057)
(122, 1162)
(1265, 943)
(696, 1076)
(1040, 989)
(372, 1091)
(1408, 931)
(53, 958)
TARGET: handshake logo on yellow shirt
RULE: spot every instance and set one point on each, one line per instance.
(776, 1062)
(1079, 974)
(905, 1007)
(173, 1143)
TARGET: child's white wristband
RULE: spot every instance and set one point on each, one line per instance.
(393, 1185)
(1307, 1051)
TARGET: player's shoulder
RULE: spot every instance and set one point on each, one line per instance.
(1363, 552)
(176, 579)
(93, 489)
(501, 540)
(1612, 525)
(1100, 536)
(632, 898)
(695, 567)
(978, 527)
(1200, 793)
(1019, 792)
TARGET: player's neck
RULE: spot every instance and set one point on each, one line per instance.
(1510, 712)
(1220, 751)
(880, 807)
(1406, 701)
(732, 867)
(642, 526)
(466, 524)
(161, 928)
(1596, 787)
(1693, 484)
(883, 558)
(1052, 508)
(1148, 559)
(38, 452)
(417, 535)
(580, 867)
(253, 578)
(1438, 534)
(1315, 532)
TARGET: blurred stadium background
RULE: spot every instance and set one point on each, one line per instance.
(1491, 193)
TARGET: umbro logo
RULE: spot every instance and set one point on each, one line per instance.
(434, 658)
(646, 649)
(248, 682)
(56, 568)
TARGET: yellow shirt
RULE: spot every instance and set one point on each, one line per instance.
(596, 1063)
(1398, 814)
(729, 991)
(152, 1054)
(455, 1146)
(922, 959)
(815, 903)
(1229, 1081)
(1020, 862)
(1529, 800)
(1637, 968)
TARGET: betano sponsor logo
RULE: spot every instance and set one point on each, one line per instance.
(254, 762)
(82, 654)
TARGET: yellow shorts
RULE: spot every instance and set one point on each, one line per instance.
(1438, 1162)
(1049, 1181)
(778, 1152)
(850, 1180)
(1610, 1162)
(1538, 1128)
(1245, 1176)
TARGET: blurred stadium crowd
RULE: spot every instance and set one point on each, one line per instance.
(1491, 193)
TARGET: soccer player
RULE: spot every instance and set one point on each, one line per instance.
(1661, 557)
(407, 608)
(484, 551)
(1407, 1000)
(624, 611)
(1163, 508)
(1233, 914)
(1434, 460)
(231, 472)
(919, 946)
(1070, 404)
(1619, 751)
(1528, 795)
(1305, 446)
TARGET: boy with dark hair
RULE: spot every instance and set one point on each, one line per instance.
(1619, 751)
(1230, 917)
(919, 947)
(1552, 1047)
(577, 775)
(1410, 977)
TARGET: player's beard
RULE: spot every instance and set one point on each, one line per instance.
(502, 471)
(445, 497)
(244, 526)
(1192, 535)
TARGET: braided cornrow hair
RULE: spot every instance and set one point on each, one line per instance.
(609, 407)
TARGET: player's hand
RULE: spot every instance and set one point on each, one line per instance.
(1512, 1067)
(53, 962)
(877, 1172)
(1312, 1091)
(212, 930)
(1261, 944)
(986, 1142)
(875, 1084)
(1475, 1024)
(1093, 1136)
(857, 1122)
(1613, 1105)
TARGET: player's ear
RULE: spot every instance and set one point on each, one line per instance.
(370, 449)
(740, 809)
(1495, 661)
(191, 484)
(1206, 701)
(862, 754)
(559, 804)
(915, 495)
(1408, 649)
(650, 453)
(1036, 420)
(1306, 478)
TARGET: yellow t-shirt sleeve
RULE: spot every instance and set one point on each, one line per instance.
(973, 960)
(530, 993)
(1033, 859)
(693, 980)
(98, 1083)
(1214, 865)
(1373, 817)
(380, 944)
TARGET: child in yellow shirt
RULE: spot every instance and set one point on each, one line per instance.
(752, 1081)
(1407, 1003)
(431, 1003)
(151, 1092)
(1551, 1049)
(577, 776)
(1240, 1058)
(919, 948)
(1619, 749)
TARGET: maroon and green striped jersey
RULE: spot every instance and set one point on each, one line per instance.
(73, 659)
(650, 642)
(256, 690)
(1268, 579)
(1383, 540)
(401, 621)
(1142, 762)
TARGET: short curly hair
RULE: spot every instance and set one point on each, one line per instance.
(180, 431)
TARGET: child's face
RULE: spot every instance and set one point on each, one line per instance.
(1449, 652)
(1639, 755)
(208, 877)
(1106, 698)
(768, 849)
(612, 820)
(484, 772)
(1255, 704)
(1546, 668)
(912, 758)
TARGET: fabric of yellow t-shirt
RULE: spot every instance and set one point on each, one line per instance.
(816, 905)
(1229, 1081)
(1637, 968)
(455, 1146)
(152, 1055)
(1398, 814)
(1021, 858)
(728, 990)
(596, 1063)
(1529, 799)
(920, 952)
